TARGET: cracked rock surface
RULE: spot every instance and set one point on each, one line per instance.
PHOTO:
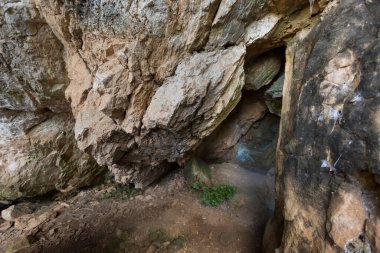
(150, 79)
(328, 155)
(38, 152)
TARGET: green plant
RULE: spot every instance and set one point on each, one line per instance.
(216, 194)
(199, 185)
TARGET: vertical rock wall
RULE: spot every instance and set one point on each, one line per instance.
(328, 153)
(38, 152)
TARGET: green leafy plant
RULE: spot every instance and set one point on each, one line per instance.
(216, 194)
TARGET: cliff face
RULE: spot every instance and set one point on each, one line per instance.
(138, 86)
(149, 80)
(38, 152)
(328, 153)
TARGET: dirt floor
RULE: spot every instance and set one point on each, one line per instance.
(166, 217)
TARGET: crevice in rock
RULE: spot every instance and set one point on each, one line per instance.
(248, 136)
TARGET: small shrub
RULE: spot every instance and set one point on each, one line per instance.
(216, 194)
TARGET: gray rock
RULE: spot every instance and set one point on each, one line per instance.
(273, 95)
(15, 211)
(197, 170)
(5, 225)
(275, 89)
(36, 155)
(261, 71)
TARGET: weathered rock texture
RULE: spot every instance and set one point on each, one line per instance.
(138, 85)
(328, 154)
(150, 79)
(248, 136)
(38, 152)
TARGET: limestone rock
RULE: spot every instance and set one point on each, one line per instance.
(197, 170)
(346, 215)
(32, 68)
(233, 128)
(146, 82)
(261, 29)
(38, 152)
(149, 81)
(262, 70)
(29, 222)
(273, 95)
(15, 211)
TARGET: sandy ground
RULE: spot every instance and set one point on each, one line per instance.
(167, 217)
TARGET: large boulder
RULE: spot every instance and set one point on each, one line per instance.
(38, 152)
(329, 145)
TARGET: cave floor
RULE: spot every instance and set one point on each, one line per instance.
(166, 217)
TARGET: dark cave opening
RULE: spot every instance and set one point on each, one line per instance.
(247, 141)
(248, 136)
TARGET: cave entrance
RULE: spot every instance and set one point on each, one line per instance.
(248, 136)
(242, 150)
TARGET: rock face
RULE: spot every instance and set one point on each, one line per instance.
(139, 85)
(149, 80)
(247, 137)
(38, 152)
(262, 70)
(328, 154)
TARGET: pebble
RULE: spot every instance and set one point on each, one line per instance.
(7, 214)
(151, 249)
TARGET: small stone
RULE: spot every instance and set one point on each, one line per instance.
(151, 249)
(15, 211)
(52, 231)
(31, 221)
(165, 244)
(148, 198)
(7, 214)
(139, 197)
